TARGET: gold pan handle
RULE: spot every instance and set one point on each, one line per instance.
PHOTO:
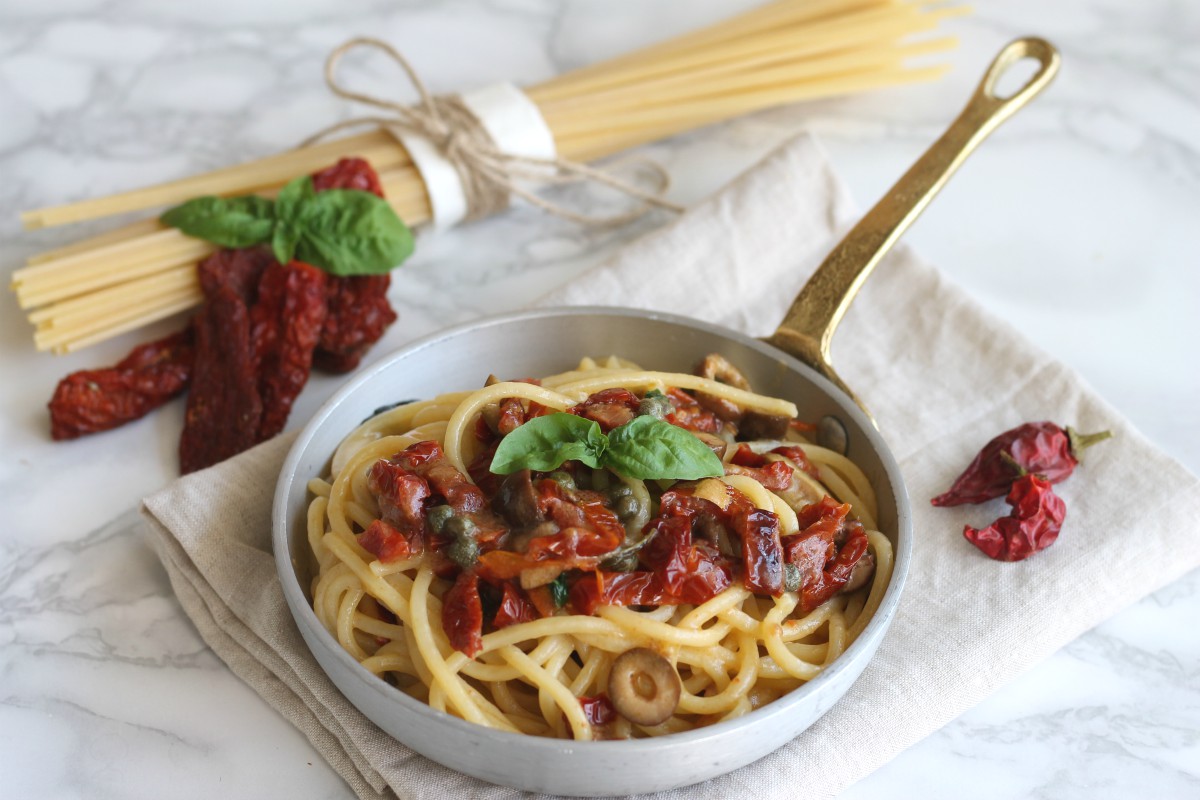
(807, 329)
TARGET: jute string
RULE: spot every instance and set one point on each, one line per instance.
(490, 176)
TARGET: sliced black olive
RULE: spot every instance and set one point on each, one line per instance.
(861, 574)
(643, 686)
(389, 407)
(757, 425)
(517, 500)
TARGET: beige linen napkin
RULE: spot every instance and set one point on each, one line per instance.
(942, 377)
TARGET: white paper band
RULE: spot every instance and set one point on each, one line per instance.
(515, 125)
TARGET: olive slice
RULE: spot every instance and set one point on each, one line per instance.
(643, 686)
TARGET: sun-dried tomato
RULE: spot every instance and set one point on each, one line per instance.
(514, 608)
(286, 323)
(224, 409)
(462, 615)
(825, 550)
(610, 408)
(359, 311)
(241, 270)
(384, 542)
(96, 400)
(349, 173)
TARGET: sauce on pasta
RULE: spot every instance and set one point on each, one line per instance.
(589, 598)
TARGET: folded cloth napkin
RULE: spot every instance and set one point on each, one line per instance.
(942, 377)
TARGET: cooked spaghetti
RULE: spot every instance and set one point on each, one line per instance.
(536, 571)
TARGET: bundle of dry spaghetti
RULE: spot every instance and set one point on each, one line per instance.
(784, 52)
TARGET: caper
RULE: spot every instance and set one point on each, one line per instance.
(619, 491)
(627, 506)
(437, 517)
(464, 550)
(459, 527)
(655, 405)
(791, 578)
(563, 479)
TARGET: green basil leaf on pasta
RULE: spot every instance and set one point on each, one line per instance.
(648, 448)
(348, 232)
(225, 221)
(545, 443)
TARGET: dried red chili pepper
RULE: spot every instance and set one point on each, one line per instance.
(1042, 448)
(93, 400)
(1032, 525)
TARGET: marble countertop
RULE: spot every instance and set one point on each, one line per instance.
(1076, 223)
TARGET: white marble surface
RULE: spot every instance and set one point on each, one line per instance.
(1077, 222)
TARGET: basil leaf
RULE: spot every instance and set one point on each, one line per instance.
(558, 590)
(227, 221)
(647, 448)
(291, 209)
(544, 443)
(348, 232)
(293, 198)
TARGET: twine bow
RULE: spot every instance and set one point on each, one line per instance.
(489, 175)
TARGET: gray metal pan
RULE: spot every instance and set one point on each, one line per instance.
(793, 363)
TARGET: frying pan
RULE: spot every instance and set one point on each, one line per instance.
(792, 363)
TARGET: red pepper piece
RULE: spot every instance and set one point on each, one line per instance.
(462, 615)
(96, 400)
(224, 408)
(1042, 448)
(514, 608)
(384, 542)
(1033, 524)
(286, 323)
(598, 710)
(359, 311)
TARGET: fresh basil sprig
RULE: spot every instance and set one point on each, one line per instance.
(645, 448)
(342, 231)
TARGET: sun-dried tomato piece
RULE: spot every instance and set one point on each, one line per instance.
(610, 408)
(285, 325)
(349, 173)
(514, 608)
(224, 409)
(359, 311)
(241, 270)
(93, 400)
(384, 542)
(462, 615)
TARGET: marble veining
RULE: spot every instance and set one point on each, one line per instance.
(1075, 223)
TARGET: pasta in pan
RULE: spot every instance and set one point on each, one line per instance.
(610, 552)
